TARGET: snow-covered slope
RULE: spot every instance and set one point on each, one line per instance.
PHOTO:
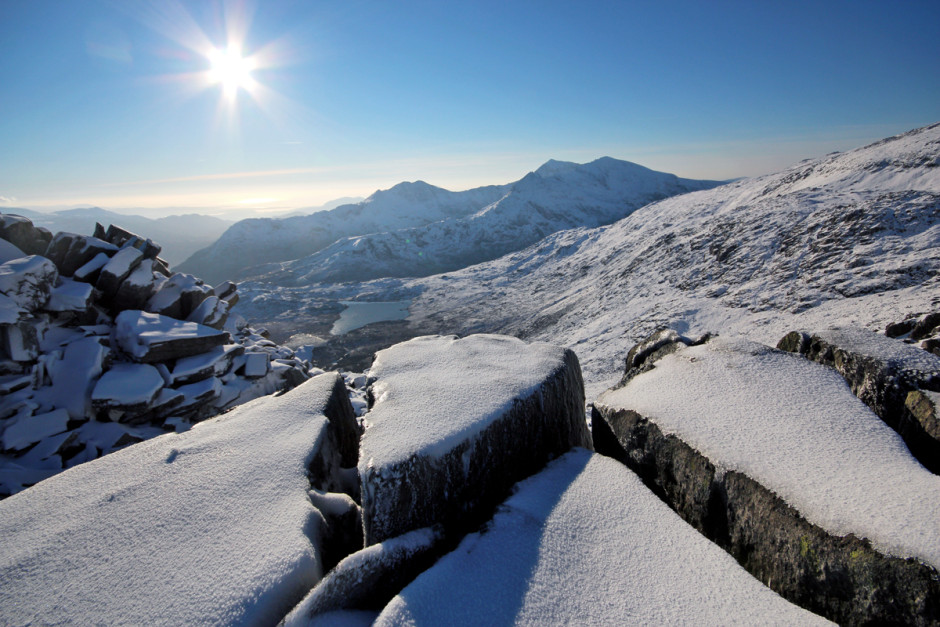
(852, 238)
(258, 241)
(557, 196)
(180, 235)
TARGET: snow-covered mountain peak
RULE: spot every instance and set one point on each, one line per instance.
(553, 167)
(415, 191)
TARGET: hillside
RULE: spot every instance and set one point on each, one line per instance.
(557, 196)
(851, 238)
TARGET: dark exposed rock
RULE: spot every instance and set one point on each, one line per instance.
(122, 237)
(881, 371)
(118, 268)
(926, 326)
(333, 469)
(897, 329)
(21, 232)
(178, 296)
(368, 579)
(923, 409)
(69, 251)
(135, 290)
(463, 475)
(644, 354)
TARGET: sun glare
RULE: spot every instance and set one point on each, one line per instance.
(231, 70)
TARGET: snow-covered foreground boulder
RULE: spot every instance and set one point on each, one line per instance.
(212, 526)
(456, 422)
(882, 372)
(584, 542)
(75, 324)
(775, 459)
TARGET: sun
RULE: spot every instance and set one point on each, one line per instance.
(231, 70)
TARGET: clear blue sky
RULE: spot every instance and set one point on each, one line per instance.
(108, 103)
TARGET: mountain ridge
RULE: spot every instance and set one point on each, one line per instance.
(558, 195)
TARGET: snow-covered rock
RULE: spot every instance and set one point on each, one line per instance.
(456, 422)
(211, 526)
(75, 375)
(774, 458)
(56, 340)
(882, 372)
(584, 542)
(369, 578)
(28, 430)
(28, 281)
(149, 337)
(70, 296)
(126, 389)
(20, 232)
(71, 251)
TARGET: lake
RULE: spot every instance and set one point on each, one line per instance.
(359, 314)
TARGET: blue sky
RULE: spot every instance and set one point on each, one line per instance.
(109, 103)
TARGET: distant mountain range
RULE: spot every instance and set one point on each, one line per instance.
(416, 229)
(850, 238)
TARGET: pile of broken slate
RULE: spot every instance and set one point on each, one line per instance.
(101, 346)
(721, 481)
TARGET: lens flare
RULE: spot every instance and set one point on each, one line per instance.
(231, 70)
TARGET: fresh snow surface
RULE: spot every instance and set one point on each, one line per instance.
(795, 427)
(470, 381)
(586, 543)
(211, 526)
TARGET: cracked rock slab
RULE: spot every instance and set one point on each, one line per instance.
(456, 422)
(881, 371)
(211, 526)
(773, 458)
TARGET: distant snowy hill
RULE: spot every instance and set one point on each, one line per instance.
(850, 238)
(179, 235)
(258, 241)
(557, 196)
(416, 229)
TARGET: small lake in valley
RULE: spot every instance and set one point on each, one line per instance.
(359, 314)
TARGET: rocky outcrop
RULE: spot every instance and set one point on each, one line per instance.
(585, 543)
(882, 372)
(369, 578)
(456, 422)
(221, 524)
(924, 329)
(742, 494)
(94, 326)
